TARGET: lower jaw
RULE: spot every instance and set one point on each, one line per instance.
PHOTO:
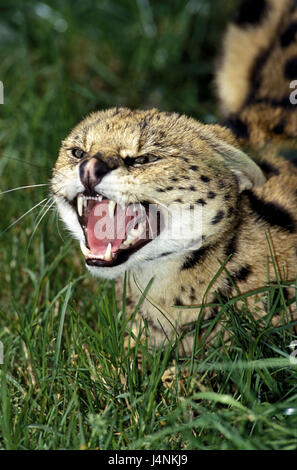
(119, 257)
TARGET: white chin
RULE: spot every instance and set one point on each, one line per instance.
(107, 273)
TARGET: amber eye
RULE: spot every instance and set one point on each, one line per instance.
(78, 153)
(145, 159)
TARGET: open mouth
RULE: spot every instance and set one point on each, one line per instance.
(112, 232)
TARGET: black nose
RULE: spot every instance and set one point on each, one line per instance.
(92, 171)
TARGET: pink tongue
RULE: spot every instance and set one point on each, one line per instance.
(103, 229)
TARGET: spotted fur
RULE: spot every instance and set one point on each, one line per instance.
(257, 68)
(249, 205)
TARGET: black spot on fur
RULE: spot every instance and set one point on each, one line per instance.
(178, 201)
(161, 190)
(221, 184)
(288, 36)
(218, 218)
(201, 202)
(279, 128)
(230, 212)
(177, 302)
(238, 127)
(205, 179)
(169, 188)
(224, 295)
(268, 168)
(196, 257)
(227, 197)
(271, 212)
(291, 69)
(194, 167)
(213, 314)
(231, 246)
(242, 274)
(192, 188)
(284, 102)
(286, 293)
(211, 195)
(174, 179)
(256, 77)
(251, 12)
(163, 255)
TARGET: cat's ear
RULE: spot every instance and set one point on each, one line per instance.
(246, 170)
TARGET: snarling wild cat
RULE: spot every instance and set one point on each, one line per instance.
(161, 197)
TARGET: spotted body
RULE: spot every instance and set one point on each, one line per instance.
(235, 174)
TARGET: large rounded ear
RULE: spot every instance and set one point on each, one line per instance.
(248, 173)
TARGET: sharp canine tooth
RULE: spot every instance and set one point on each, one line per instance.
(129, 240)
(134, 233)
(133, 236)
(80, 205)
(107, 255)
(111, 208)
(126, 243)
(84, 249)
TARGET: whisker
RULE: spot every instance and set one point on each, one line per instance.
(45, 210)
(58, 228)
(24, 187)
(24, 215)
(161, 204)
(150, 227)
(46, 167)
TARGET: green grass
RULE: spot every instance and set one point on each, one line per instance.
(67, 381)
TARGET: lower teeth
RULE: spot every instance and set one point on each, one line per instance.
(88, 254)
(84, 249)
(133, 236)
